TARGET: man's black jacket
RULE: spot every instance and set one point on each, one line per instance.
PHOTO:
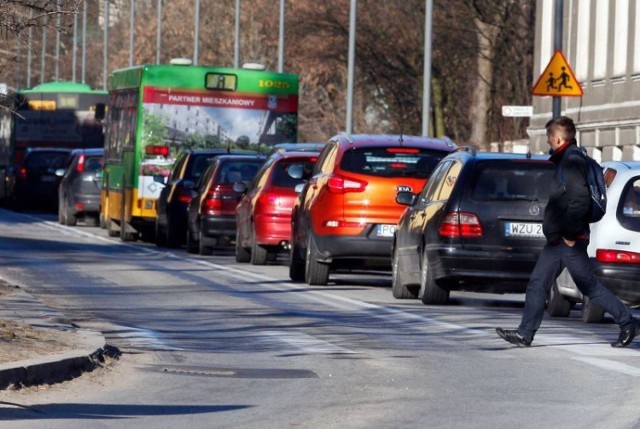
(566, 213)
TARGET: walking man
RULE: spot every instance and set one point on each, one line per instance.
(566, 228)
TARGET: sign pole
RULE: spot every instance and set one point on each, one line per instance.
(557, 46)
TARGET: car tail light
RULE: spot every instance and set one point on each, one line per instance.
(458, 224)
(617, 256)
(342, 185)
(22, 174)
(342, 224)
(157, 150)
(80, 207)
(269, 199)
(80, 166)
(183, 195)
(213, 201)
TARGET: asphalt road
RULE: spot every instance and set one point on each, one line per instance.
(209, 343)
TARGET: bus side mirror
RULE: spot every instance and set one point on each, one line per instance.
(100, 111)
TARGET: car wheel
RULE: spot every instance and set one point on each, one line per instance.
(398, 286)
(173, 238)
(101, 221)
(193, 245)
(315, 273)
(203, 249)
(60, 214)
(161, 238)
(557, 304)
(591, 312)
(432, 293)
(69, 218)
(242, 255)
(259, 253)
(296, 264)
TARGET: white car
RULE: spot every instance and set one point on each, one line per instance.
(614, 247)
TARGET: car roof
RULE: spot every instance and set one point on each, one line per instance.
(472, 153)
(219, 151)
(293, 154)
(48, 149)
(620, 165)
(383, 140)
(240, 157)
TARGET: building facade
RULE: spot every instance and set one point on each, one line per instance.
(601, 43)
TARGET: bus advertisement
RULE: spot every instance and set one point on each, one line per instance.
(155, 111)
(52, 115)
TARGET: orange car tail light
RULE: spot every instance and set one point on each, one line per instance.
(457, 225)
(80, 166)
(342, 224)
(617, 256)
(342, 185)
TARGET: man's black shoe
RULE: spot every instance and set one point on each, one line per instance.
(512, 336)
(626, 336)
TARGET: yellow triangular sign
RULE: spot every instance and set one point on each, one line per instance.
(557, 79)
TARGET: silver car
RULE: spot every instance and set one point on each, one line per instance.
(614, 247)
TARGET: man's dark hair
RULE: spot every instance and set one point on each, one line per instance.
(565, 124)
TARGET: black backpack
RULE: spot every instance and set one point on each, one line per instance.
(597, 187)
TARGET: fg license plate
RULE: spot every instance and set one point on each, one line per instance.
(385, 230)
(48, 178)
(523, 229)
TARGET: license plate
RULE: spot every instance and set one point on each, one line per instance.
(385, 230)
(523, 229)
(48, 178)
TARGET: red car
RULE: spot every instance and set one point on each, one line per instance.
(263, 216)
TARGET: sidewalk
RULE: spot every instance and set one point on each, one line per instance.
(38, 345)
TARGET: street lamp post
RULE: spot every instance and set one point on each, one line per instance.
(196, 31)
(236, 43)
(281, 39)
(159, 31)
(351, 66)
(426, 85)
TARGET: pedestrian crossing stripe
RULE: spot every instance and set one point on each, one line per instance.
(557, 79)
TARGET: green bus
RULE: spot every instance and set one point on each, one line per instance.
(155, 111)
(53, 115)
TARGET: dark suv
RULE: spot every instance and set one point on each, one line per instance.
(36, 183)
(171, 222)
(476, 226)
(79, 189)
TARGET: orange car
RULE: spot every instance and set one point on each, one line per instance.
(346, 214)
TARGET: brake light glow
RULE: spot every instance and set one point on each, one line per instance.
(22, 174)
(183, 195)
(342, 185)
(457, 225)
(152, 150)
(617, 256)
(80, 166)
(343, 224)
(402, 150)
(269, 198)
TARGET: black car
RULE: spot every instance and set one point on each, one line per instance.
(36, 182)
(476, 226)
(171, 221)
(79, 189)
(212, 210)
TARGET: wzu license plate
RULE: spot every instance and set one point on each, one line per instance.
(385, 230)
(523, 229)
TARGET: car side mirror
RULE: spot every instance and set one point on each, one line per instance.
(299, 187)
(240, 187)
(60, 172)
(405, 198)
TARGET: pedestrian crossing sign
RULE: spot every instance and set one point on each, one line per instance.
(557, 79)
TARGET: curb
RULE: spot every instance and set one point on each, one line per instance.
(59, 367)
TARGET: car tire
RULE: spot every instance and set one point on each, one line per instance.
(90, 220)
(69, 218)
(557, 304)
(242, 255)
(315, 272)
(432, 293)
(398, 286)
(172, 237)
(591, 312)
(60, 214)
(259, 254)
(161, 238)
(193, 245)
(203, 249)
(296, 265)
